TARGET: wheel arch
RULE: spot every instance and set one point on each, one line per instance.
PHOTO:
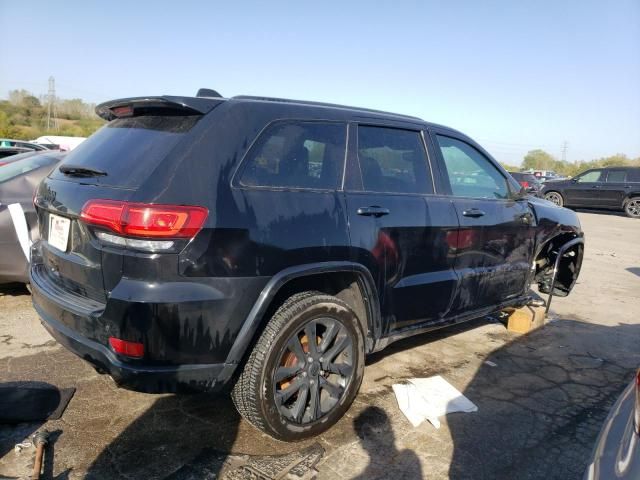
(630, 196)
(559, 275)
(349, 281)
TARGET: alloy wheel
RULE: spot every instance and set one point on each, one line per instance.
(314, 370)
(633, 207)
(554, 197)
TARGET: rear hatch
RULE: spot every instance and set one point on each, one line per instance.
(111, 165)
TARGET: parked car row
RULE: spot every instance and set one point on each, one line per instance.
(612, 188)
(615, 188)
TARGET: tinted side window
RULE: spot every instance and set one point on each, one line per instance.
(592, 176)
(616, 176)
(634, 175)
(470, 173)
(393, 160)
(298, 155)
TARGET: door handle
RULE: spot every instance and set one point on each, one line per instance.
(373, 211)
(473, 212)
(597, 186)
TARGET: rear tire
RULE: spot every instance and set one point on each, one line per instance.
(554, 197)
(632, 207)
(292, 388)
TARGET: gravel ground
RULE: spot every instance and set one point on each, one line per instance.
(540, 407)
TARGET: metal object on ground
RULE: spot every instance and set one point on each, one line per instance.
(40, 440)
(556, 265)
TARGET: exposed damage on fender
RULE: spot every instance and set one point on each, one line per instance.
(560, 249)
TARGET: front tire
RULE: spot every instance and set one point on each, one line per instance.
(632, 207)
(554, 197)
(305, 370)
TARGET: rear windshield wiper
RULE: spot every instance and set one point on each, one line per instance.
(77, 171)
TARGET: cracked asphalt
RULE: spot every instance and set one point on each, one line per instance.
(540, 407)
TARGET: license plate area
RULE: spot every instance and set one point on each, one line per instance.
(59, 232)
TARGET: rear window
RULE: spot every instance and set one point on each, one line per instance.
(634, 175)
(297, 154)
(25, 165)
(129, 149)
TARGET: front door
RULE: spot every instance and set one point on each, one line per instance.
(398, 226)
(496, 238)
(585, 190)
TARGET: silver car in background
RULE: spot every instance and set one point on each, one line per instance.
(616, 454)
(18, 220)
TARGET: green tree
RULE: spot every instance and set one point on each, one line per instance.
(539, 160)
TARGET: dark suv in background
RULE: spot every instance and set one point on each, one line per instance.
(269, 245)
(614, 188)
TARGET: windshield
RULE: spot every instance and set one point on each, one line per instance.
(128, 149)
(25, 165)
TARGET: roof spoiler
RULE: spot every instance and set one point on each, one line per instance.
(134, 106)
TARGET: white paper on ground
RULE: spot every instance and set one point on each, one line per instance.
(430, 398)
(20, 224)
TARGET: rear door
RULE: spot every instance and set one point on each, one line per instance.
(615, 188)
(400, 229)
(496, 238)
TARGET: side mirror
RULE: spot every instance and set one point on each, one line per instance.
(521, 194)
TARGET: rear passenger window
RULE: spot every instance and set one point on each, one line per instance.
(616, 176)
(393, 160)
(470, 173)
(297, 155)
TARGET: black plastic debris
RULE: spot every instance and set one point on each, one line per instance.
(19, 403)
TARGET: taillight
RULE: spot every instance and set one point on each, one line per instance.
(145, 220)
(129, 349)
(524, 184)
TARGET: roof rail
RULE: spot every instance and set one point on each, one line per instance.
(324, 104)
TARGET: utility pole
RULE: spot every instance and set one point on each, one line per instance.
(565, 146)
(52, 117)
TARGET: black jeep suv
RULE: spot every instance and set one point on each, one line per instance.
(269, 245)
(613, 188)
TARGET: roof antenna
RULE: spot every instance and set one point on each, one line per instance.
(207, 92)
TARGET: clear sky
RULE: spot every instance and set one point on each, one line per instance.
(515, 75)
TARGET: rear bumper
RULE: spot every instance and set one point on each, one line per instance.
(69, 325)
(136, 377)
